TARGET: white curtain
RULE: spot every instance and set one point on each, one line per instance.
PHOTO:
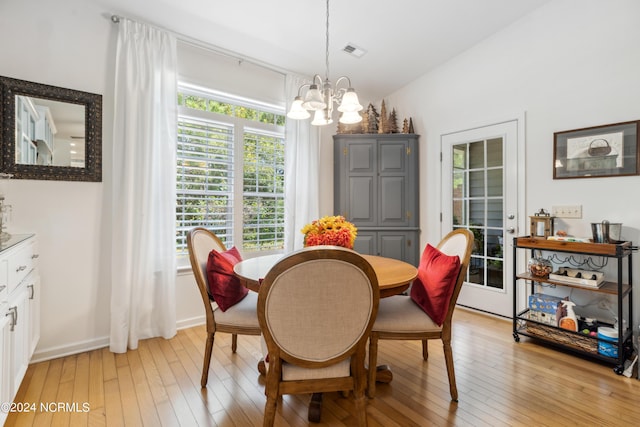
(144, 187)
(302, 174)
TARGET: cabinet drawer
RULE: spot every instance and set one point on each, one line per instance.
(20, 264)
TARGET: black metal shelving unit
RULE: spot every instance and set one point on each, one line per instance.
(576, 342)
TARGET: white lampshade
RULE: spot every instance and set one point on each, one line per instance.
(319, 118)
(313, 99)
(297, 112)
(350, 102)
(350, 117)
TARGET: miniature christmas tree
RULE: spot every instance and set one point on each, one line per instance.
(373, 119)
(365, 121)
(405, 126)
(392, 123)
(382, 124)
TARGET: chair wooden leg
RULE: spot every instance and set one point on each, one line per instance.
(448, 357)
(361, 410)
(234, 342)
(425, 349)
(270, 411)
(373, 360)
(207, 359)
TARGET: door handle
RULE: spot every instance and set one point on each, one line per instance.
(511, 230)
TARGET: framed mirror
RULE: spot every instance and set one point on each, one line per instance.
(49, 132)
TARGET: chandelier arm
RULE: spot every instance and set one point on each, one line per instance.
(342, 79)
(302, 87)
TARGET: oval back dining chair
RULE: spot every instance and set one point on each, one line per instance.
(239, 319)
(316, 308)
(401, 317)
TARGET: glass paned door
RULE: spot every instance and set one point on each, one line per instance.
(479, 174)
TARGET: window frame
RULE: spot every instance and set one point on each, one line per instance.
(240, 126)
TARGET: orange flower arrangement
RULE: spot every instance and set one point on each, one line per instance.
(330, 230)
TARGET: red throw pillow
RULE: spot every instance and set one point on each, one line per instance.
(224, 287)
(432, 289)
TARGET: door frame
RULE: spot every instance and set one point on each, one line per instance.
(521, 219)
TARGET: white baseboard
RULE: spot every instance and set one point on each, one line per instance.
(44, 354)
(189, 323)
(40, 355)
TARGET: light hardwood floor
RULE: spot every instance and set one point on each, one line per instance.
(500, 383)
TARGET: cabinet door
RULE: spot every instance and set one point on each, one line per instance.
(366, 243)
(33, 305)
(356, 189)
(394, 183)
(402, 245)
(5, 357)
(362, 184)
(19, 339)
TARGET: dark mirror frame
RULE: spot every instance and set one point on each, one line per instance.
(92, 171)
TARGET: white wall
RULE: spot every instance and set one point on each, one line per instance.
(65, 45)
(569, 65)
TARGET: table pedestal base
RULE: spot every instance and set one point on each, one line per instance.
(383, 375)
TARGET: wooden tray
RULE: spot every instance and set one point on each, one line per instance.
(609, 249)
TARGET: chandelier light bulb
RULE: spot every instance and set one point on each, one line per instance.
(350, 117)
(297, 112)
(350, 102)
(313, 100)
(320, 118)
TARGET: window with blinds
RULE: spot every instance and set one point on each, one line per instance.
(216, 139)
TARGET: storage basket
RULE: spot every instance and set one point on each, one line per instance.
(567, 338)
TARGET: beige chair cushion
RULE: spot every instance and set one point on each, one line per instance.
(242, 314)
(293, 372)
(400, 314)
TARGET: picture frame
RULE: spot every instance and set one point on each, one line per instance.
(598, 151)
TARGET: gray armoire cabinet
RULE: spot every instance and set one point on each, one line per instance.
(376, 188)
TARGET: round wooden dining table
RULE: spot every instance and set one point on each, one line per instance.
(394, 277)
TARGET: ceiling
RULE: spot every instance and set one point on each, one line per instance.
(404, 39)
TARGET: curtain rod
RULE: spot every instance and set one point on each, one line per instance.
(210, 47)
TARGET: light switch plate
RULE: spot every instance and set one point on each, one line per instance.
(572, 211)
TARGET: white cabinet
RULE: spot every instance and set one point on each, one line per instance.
(19, 312)
(18, 338)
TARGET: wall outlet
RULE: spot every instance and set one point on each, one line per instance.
(573, 211)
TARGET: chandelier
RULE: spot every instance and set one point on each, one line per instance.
(321, 101)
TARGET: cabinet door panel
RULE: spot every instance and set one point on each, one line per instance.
(393, 156)
(393, 201)
(366, 243)
(402, 245)
(362, 157)
(362, 208)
